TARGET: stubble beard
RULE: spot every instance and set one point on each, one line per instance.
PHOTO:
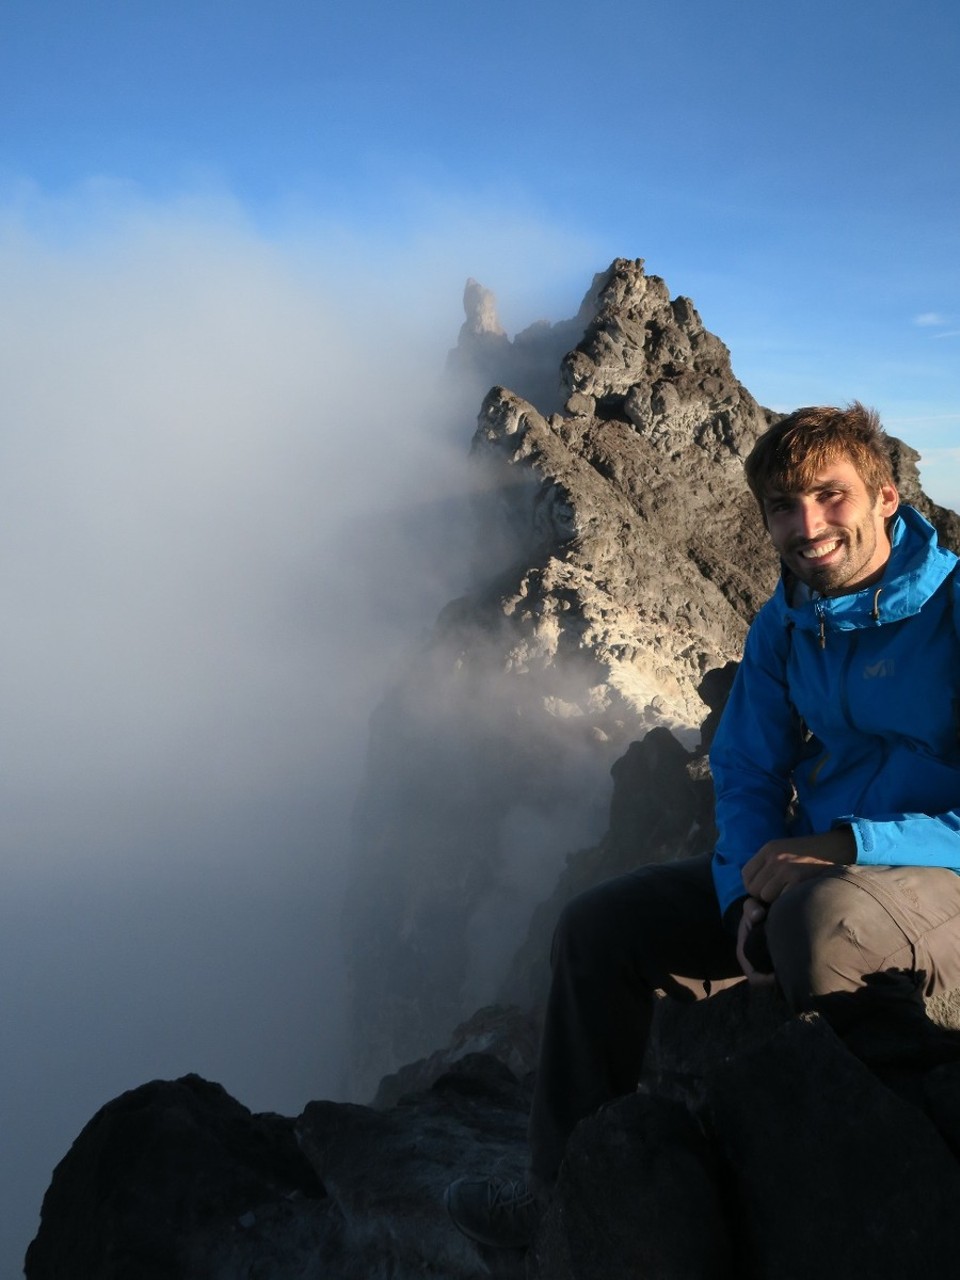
(858, 547)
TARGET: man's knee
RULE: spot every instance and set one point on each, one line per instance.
(820, 934)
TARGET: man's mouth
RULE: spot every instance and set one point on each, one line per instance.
(818, 550)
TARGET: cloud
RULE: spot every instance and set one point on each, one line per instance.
(223, 474)
(934, 320)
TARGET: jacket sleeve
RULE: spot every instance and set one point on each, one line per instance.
(911, 839)
(907, 839)
(752, 757)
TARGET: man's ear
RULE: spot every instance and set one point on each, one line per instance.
(889, 500)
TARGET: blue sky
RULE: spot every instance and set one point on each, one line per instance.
(233, 242)
(792, 167)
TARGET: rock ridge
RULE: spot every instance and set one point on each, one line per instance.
(631, 562)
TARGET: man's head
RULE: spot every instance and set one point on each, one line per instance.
(824, 482)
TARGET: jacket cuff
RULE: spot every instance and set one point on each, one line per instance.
(862, 837)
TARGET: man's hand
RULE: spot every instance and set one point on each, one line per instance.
(781, 863)
(754, 914)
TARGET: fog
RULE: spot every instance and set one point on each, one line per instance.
(223, 467)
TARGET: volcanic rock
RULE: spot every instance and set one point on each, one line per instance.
(631, 560)
(175, 1178)
(529, 363)
(879, 1204)
(757, 1145)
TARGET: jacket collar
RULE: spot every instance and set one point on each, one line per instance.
(918, 565)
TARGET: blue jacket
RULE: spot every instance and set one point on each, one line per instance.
(854, 701)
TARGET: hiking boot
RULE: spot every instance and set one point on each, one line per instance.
(493, 1212)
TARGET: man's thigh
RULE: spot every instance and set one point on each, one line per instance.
(924, 903)
(661, 922)
(862, 920)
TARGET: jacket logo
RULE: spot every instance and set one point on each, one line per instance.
(878, 670)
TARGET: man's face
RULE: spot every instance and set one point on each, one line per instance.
(833, 535)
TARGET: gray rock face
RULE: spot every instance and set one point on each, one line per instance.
(529, 363)
(630, 562)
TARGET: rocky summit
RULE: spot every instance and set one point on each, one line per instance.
(622, 562)
(621, 559)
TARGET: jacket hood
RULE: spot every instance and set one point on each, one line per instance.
(917, 567)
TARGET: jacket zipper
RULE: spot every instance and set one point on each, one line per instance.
(883, 746)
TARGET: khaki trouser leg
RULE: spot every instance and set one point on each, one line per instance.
(831, 936)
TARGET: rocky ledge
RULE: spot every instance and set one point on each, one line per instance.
(758, 1145)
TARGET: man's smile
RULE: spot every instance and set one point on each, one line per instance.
(818, 550)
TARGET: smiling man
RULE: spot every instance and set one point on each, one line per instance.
(837, 775)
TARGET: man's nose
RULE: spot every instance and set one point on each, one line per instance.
(808, 519)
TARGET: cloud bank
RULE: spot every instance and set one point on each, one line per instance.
(223, 472)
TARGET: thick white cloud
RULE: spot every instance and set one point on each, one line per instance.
(222, 467)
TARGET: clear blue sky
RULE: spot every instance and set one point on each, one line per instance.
(233, 240)
(792, 167)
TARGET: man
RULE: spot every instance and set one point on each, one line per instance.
(836, 768)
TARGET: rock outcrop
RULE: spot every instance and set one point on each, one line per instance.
(768, 1151)
(629, 562)
(529, 363)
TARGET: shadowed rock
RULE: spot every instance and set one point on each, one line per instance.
(510, 1035)
(387, 1171)
(175, 1175)
(638, 1195)
(758, 1146)
(830, 1173)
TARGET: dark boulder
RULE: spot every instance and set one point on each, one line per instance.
(829, 1172)
(638, 1195)
(164, 1171)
